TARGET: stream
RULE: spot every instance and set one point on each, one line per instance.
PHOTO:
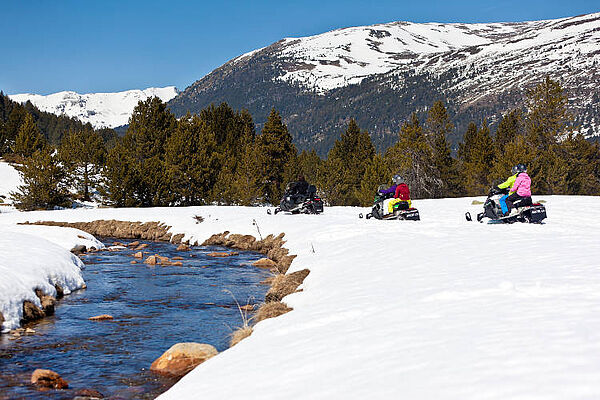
(153, 307)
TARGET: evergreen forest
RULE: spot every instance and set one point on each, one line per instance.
(218, 157)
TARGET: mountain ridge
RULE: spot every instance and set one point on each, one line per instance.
(379, 74)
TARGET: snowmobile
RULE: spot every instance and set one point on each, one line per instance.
(524, 210)
(401, 209)
(300, 203)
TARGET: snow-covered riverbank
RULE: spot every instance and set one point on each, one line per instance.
(440, 308)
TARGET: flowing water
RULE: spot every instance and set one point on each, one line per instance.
(153, 307)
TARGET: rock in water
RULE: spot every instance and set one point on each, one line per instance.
(264, 263)
(48, 379)
(102, 317)
(181, 358)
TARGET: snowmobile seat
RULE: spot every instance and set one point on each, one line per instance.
(523, 202)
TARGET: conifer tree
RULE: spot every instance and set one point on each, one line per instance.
(275, 152)
(511, 125)
(83, 154)
(437, 129)
(142, 152)
(44, 185)
(476, 155)
(29, 139)
(412, 158)
(191, 162)
(346, 164)
(377, 173)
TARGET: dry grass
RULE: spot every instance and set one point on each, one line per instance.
(271, 310)
(240, 334)
(283, 285)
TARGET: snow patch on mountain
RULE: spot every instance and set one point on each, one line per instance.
(505, 51)
(102, 110)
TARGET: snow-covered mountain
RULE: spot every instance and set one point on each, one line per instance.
(102, 110)
(379, 74)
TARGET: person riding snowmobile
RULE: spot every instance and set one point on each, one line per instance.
(519, 185)
(401, 193)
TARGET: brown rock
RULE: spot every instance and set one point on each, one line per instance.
(222, 254)
(31, 312)
(48, 379)
(79, 249)
(88, 394)
(139, 254)
(181, 358)
(59, 291)
(183, 247)
(102, 317)
(265, 263)
(152, 260)
(47, 301)
(142, 246)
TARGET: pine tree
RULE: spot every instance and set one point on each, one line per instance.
(83, 154)
(29, 139)
(346, 164)
(135, 172)
(437, 129)
(377, 173)
(191, 162)
(412, 158)
(476, 155)
(511, 125)
(275, 151)
(44, 182)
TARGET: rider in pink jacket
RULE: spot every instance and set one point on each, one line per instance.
(521, 189)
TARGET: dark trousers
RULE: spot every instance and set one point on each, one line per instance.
(510, 200)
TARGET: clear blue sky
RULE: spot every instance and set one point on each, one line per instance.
(109, 45)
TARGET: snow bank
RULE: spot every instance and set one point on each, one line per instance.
(10, 180)
(436, 309)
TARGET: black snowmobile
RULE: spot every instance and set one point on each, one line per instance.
(524, 210)
(297, 201)
(401, 209)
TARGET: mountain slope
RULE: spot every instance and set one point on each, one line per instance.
(379, 74)
(102, 110)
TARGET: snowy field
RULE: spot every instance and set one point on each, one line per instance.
(436, 309)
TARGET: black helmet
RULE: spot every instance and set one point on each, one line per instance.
(398, 179)
(517, 169)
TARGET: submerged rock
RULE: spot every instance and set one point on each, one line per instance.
(88, 394)
(48, 379)
(102, 317)
(181, 358)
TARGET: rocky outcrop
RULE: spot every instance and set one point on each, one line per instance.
(181, 358)
(48, 379)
